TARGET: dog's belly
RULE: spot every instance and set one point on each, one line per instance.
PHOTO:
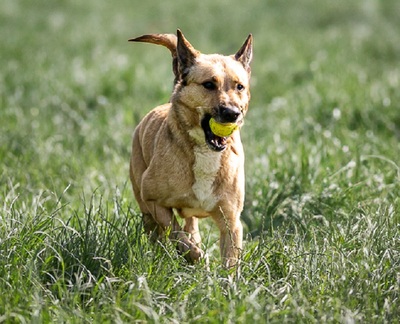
(193, 212)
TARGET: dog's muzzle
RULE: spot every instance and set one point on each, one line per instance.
(223, 115)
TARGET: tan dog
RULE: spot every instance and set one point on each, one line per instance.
(178, 165)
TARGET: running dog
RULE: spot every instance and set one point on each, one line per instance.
(187, 156)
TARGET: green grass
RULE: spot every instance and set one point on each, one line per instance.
(322, 141)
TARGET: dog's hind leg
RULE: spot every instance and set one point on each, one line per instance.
(149, 224)
(151, 227)
(136, 169)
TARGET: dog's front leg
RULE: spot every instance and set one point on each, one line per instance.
(192, 228)
(189, 246)
(231, 238)
(166, 219)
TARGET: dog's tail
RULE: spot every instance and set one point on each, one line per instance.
(168, 40)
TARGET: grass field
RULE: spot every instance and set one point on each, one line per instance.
(322, 142)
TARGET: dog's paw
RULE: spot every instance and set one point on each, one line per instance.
(195, 254)
(190, 251)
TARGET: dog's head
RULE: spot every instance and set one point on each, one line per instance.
(208, 86)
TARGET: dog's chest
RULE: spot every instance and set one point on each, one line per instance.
(205, 170)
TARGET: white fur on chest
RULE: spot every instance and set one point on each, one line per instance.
(205, 169)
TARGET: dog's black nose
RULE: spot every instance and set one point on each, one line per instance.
(228, 114)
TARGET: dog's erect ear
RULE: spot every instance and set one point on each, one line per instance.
(167, 40)
(186, 53)
(245, 53)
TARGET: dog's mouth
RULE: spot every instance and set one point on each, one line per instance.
(214, 142)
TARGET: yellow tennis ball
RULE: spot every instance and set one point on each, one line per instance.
(222, 130)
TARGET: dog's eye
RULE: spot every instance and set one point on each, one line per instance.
(240, 87)
(209, 85)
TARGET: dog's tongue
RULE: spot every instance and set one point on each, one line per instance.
(222, 140)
